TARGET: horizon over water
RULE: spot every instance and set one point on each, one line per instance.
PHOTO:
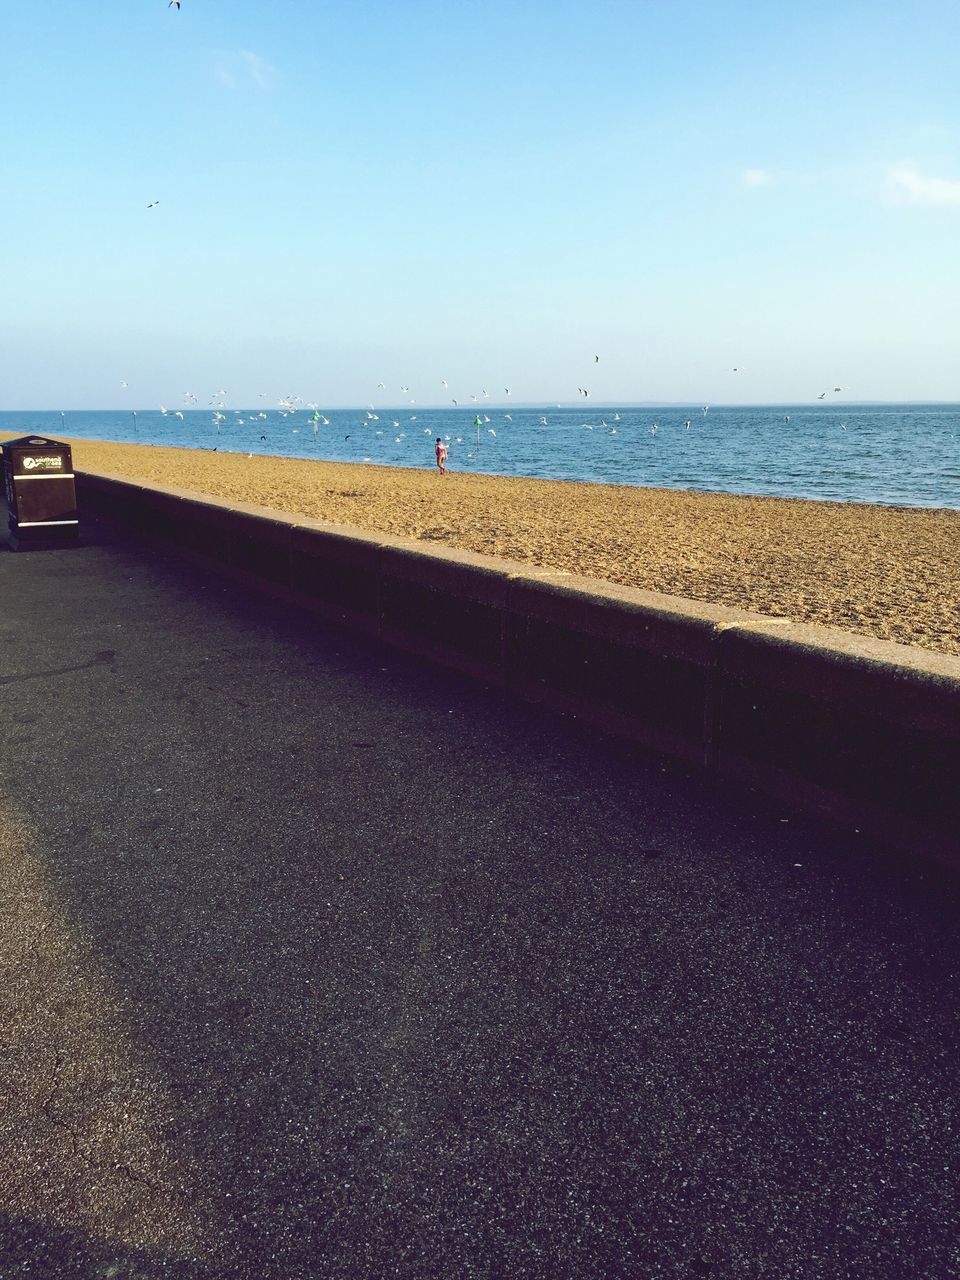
(903, 455)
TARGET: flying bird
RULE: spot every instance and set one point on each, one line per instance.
(174, 4)
(153, 204)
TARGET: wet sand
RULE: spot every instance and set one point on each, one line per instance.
(889, 572)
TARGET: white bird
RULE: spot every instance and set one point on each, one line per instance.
(179, 415)
(174, 4)
(616, 417)
(372, 417)
(838, 388)
(380, 386)
(443, 382)
(706, 409)
(486, 394)
(508, 417)
(506, 391)
(491, 432)
(653, 429)
(687, 424)
(153, 204)
(124, 384)
(413, 417)
(394, 422)
(485, 418)
(543, 422)
(596, 359)
(405, 390)
(163, 410)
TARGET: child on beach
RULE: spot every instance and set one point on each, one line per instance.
(441, 452)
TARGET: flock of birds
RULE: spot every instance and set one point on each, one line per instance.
(308, 415)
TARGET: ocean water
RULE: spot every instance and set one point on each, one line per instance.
(904, 455)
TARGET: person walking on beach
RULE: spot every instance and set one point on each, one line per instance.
(441, 452)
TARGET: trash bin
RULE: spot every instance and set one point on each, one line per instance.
(41, 497)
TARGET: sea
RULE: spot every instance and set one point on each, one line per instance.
(897, 454)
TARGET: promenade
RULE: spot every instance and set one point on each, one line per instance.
(319, 962)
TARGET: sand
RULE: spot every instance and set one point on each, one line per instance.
(890, 572)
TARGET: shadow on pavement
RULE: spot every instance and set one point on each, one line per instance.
(331, 964)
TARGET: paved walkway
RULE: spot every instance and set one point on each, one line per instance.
(316, 962)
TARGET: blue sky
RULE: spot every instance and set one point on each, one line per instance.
(486, 193)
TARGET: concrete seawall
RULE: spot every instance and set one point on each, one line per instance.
(865, 730)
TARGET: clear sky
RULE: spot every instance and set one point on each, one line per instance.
(357, 191)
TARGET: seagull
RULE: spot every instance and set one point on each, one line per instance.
(706, 410)
(596, 359)
(443, 382)
(405, 390)
(506, 390)
(179, 415)
(124, 384)
(821, 395)
(153, 204)
(491, 432)
(838, 388)
(688, 424)
(381, 387)
(508, 417)
(174, 4)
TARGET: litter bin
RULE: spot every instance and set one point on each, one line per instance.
(41, 497)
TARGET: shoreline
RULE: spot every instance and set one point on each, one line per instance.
(892, 572)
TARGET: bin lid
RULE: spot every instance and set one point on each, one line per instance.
(34, 442)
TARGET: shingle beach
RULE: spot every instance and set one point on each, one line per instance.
(888, 572)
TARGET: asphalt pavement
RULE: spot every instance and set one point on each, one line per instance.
(316, 961)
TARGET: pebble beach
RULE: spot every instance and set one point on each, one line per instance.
(888, 572)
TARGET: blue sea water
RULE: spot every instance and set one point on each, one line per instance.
(905, 455)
